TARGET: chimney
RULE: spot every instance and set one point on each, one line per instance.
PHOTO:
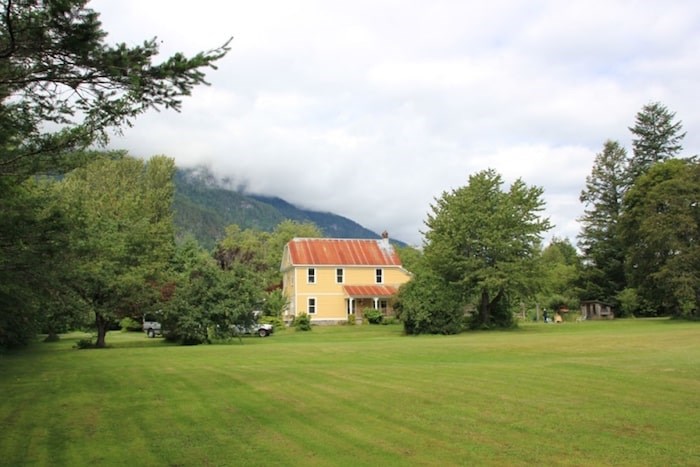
(385, 238)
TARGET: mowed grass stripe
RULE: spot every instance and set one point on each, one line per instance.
(579, 394)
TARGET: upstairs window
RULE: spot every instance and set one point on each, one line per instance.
(311, 275)
(339, 276)
(379, 276)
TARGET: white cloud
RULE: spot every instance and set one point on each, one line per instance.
(370, 109)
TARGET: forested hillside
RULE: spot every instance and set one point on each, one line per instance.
(204, 206)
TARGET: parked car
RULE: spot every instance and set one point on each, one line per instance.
(262, 330)
(151, 326)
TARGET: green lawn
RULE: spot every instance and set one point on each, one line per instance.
(593, 393)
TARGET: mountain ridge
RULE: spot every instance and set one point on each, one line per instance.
(205, 205)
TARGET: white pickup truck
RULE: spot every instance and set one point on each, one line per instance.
(262, 330)
(151, 326)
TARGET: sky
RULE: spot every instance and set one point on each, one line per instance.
(373, 109)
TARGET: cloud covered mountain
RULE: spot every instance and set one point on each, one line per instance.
(205, 205)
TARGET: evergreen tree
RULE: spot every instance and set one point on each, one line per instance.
(656, 137)
(56, 69)
(661, 228)
(603, 252)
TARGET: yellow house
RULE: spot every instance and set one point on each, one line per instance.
(334, 278)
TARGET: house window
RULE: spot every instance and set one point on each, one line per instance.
(312, 306)
(311, 276)
(339, 276)
(379, 276)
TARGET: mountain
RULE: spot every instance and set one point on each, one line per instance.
(204, 206)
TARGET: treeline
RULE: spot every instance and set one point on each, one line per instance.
(639, 249)
(106, 251)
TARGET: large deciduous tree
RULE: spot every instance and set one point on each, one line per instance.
(207, 300)
(123, 237)
(485, 241)
(661, 228)
(603, 252)
(261, 251)
(656, 137)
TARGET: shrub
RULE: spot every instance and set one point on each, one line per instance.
(130, 325)
(629, 302)
(373, 315)
(429, 305)
(276, 322)
(351, 320)
(302, 322)
(84, 344)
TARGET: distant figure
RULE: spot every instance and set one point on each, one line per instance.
(544, 314)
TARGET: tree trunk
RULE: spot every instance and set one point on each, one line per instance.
(486, 306)
(484, 309)
(102, 325)
(52, 336)
(495, 300)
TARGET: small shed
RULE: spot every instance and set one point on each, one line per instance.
(595, 309)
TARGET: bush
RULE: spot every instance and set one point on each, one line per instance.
(130, 325)
(351, 320)
(390, 320)
(373, 315)
(302, 322)
(276, 322)
(84, 344)
(429, 305)
(629, 302)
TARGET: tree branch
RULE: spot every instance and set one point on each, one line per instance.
(8, 20)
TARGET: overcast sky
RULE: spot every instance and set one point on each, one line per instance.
(371, 109)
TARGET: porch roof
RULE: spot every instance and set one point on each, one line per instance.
(369, 291)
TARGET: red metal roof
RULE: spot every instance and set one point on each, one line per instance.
(369, 290)
(342, 252)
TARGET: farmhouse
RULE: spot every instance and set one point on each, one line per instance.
(332, 279)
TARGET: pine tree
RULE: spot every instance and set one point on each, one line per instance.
(656, 138)
(599, 239)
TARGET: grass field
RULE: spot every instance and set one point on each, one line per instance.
(593, 393)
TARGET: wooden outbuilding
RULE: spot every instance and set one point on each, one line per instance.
(595, 309)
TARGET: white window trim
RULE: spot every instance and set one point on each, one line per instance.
(308, 276)
(308, 305)
(342, 275)
(379, 276)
